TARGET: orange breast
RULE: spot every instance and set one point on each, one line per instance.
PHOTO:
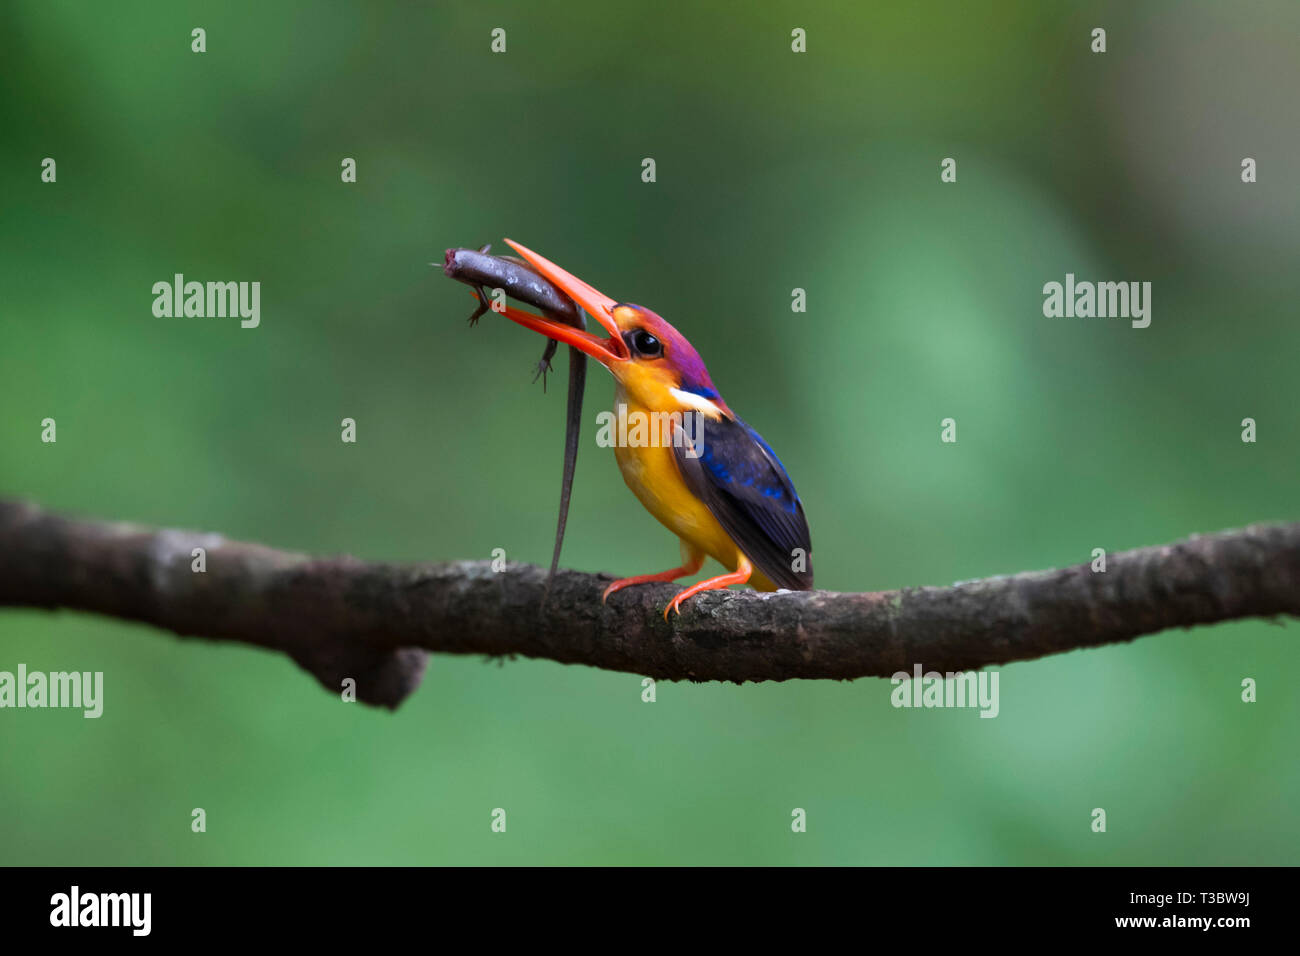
(652, 474)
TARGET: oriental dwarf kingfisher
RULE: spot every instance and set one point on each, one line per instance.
(730, 499)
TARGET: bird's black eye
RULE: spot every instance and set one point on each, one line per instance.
(644, 344)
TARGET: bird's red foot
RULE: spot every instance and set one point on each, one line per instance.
(739, 576)
(663, 576)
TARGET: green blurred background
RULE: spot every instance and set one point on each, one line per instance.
(775, 171)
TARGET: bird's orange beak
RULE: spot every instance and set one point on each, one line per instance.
(596, 304)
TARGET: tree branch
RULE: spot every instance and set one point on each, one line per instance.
(340, 617)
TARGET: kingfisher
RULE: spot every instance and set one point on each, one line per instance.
(718, 487)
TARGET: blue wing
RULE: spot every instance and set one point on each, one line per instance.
(745, 486)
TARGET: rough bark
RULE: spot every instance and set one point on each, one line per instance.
(340, 617)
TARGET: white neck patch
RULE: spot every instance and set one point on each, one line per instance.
(697, 402)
